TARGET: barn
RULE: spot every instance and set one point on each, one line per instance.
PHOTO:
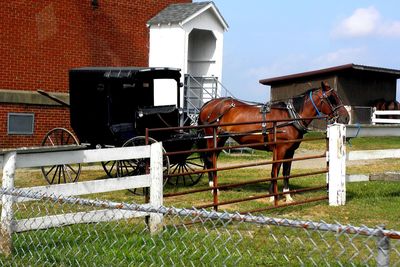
(358, 85)
(42, 40)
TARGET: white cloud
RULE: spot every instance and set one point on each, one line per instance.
(391, 29)
(286, 65)
(366, 22)
(341, 56)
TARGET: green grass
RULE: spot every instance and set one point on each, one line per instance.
(128, 242)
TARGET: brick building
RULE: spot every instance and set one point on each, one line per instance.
(41, 40)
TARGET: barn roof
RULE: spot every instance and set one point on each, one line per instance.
(333, 70)
(182, 13)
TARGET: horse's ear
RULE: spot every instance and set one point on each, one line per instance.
(325, 86)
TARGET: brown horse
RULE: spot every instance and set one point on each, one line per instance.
(391, 105)
(315, 102)
(381, 104)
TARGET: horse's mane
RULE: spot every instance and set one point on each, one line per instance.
(298, 101)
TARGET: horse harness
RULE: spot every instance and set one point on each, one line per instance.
(219, 116)
(293, 114)
(264, 110)
(297, 123)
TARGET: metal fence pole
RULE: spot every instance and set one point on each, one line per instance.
(383, 246)
(7, 215)
(276, 170)
(337, 164)
(215, 173)
(156, 186)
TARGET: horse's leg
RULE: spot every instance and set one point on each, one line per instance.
(286, 173)
(274, 173)
(283, 152)
(210, 161)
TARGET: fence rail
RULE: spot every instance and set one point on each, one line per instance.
(11, 160)
(335, 172)
(50, 226)
(388, 116)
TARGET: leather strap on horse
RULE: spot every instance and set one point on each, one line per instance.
(264, 110)
(232, 105)
(298, 124)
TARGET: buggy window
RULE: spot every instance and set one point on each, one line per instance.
(165, 92)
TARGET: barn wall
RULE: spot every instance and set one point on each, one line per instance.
(361, 89)
(41, 40)
(285, 90)
(288, 90)
(358, 89)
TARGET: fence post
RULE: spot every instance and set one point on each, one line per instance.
(337, 164)
(373, 116)
(7, 203)
(156, 186)
(383, 253)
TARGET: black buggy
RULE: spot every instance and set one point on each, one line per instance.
(112, 107)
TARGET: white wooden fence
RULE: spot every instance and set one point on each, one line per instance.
(12, 160)
(336, 176)
(375, 113)
(338, 158)
(369, 155)
(26, 158)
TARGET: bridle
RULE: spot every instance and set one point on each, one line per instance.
(333, 116)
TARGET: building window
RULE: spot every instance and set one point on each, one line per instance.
(20, 123)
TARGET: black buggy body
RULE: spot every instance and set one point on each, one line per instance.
(110, 105)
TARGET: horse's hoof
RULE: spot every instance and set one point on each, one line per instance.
(287, 196)
(288, 199)
(212, 192)
(211, 184)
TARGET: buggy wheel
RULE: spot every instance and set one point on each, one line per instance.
(184, 167)
(65, 173)
(133, 167)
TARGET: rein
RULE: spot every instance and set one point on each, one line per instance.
(324, 98)
(315, 106)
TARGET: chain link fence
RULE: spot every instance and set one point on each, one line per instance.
(53, 230)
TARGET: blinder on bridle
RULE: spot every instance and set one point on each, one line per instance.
(333, 101)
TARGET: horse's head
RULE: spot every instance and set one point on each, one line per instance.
(330, 104)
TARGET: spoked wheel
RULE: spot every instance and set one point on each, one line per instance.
(65, 173)
(132, 167)
(184, 167)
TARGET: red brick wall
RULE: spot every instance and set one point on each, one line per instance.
(41, 40)
(46, 118)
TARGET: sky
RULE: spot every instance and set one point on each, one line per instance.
(274, 38)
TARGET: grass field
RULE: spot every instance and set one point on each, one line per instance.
(368, 203)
